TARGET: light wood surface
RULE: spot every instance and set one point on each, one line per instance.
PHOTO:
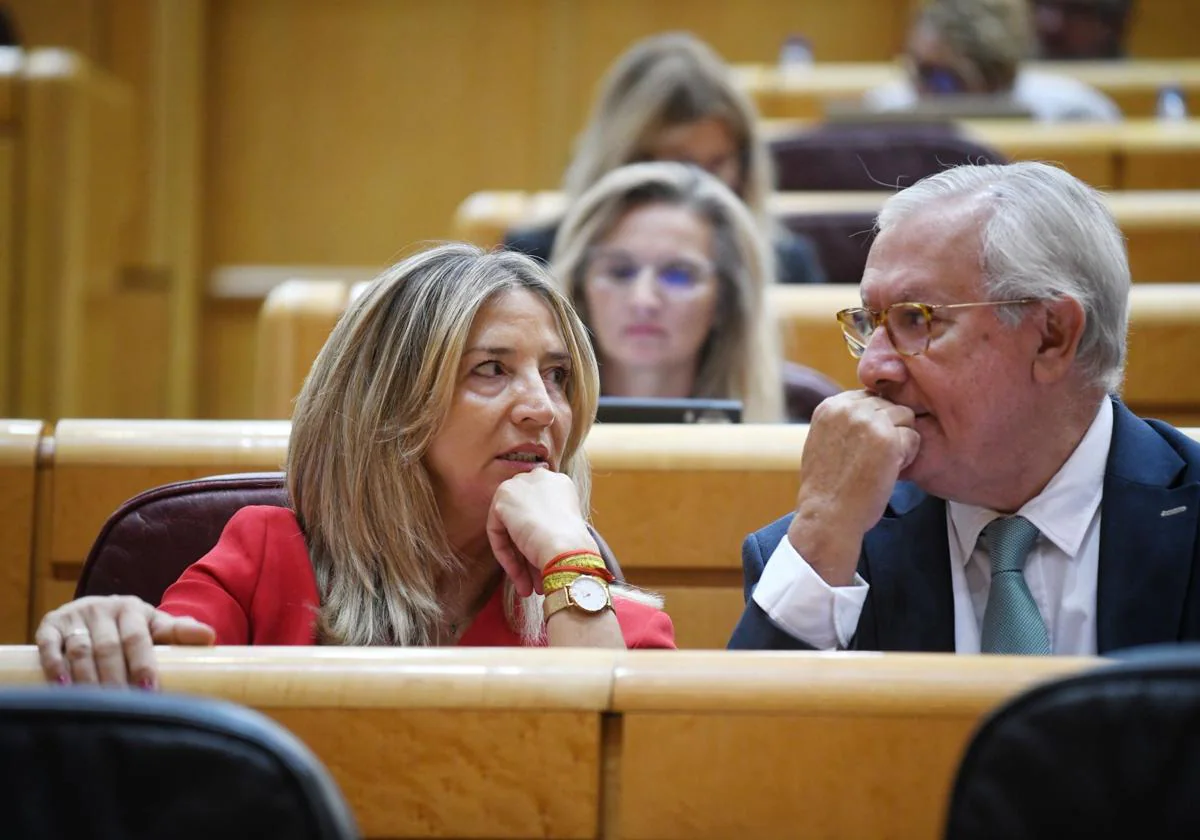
(1133, 85)
(818, 745)
(1162, 227)
(458, 743)
(18, 491)
(294, 324)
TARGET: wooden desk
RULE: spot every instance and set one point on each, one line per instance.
(1133, 85)
(775, 745)
(19, 440)
(423, 743)
(1162, 227)
(665, 745)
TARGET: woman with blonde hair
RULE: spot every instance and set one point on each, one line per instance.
(976, 47)
(669, 271)
(670, 97)
(437, 485)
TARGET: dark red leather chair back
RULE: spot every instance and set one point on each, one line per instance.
(872, 158)
(147, 543)
(842, 241)
(804, 389)
(93, 763)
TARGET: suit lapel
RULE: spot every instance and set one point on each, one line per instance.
(907, 561)
(1147, 533)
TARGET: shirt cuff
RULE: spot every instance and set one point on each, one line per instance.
(803, 605)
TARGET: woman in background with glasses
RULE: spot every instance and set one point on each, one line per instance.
(976, 48)
(670, 97)
(668, 270)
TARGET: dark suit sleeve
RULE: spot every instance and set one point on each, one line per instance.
(537, 242)
(754, 630)
(796, 259)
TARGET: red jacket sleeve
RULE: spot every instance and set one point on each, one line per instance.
(643, 626)
(218, 589)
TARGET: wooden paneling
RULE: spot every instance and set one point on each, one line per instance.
(9, 300)
(18, 489)
(79, 337)
(781, 746)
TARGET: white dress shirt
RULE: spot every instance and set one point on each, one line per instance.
(1049, 97)
(1061, 570)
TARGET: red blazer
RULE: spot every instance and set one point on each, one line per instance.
(256, 587)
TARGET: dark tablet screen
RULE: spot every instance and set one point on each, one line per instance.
(647, 410)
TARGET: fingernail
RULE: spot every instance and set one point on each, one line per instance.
(146, 684)
(62, 679)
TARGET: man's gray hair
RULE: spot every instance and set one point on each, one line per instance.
(1045, 234)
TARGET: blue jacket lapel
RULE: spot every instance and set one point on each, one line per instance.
(1148, 526)
(906, 559)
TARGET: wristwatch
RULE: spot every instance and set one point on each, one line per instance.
(587, 594)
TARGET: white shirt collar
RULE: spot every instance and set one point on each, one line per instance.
(1065, 507)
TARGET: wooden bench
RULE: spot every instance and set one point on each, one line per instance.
(19, 441)
(1133, 85)
(637, 745)
(1132, 155)
(1162, 227)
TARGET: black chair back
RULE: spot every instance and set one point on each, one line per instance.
(1111, 753)
(100, 763)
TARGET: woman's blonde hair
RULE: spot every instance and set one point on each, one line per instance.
(993, 36)
(371, 405)
(659, 83)
(740, 358)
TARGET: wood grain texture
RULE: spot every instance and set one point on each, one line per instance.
(833, 745)
(18, 489)
(460, 743)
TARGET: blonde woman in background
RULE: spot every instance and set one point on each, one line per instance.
(671, 98)
(976, 47)
(436, 481)
(668, 270)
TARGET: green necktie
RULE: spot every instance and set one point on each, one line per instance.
(1011, 621)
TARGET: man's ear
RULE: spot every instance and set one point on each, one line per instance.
(1061, 326)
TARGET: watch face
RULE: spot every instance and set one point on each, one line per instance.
(589, 594)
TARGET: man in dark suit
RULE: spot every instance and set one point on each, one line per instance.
(985, 491)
